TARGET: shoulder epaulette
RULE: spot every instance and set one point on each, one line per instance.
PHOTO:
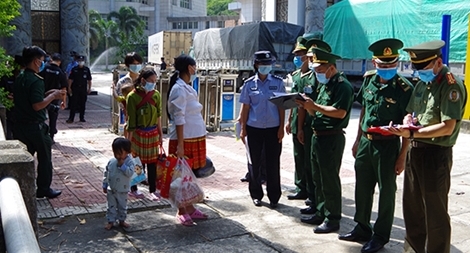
(306, 73)
(450, 78)
(250, 79)
(370, 72)
(38, 76)
(295, 72)
(278, 77)
(404, 83)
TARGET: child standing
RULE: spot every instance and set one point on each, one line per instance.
(116, 182)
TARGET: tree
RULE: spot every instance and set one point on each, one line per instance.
(219, 7)
(126, 19)
(9, 9)
(100, 30)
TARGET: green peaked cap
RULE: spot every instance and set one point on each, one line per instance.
(424, 53)
(386, 50)
(320, 56)
(316, 43)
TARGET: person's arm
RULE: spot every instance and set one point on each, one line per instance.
(70, 87)
(177, 107)
(282, 118)
(40, 102)
(301, 114)
(289, 121)
(89, 86)
(359, 134)
(243, 119)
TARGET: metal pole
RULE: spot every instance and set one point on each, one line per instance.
(17, 229)
(445, 36)
(467, 72)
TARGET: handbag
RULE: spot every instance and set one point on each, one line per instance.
(184, 189)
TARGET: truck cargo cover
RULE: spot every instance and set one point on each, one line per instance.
(241, 42)
(352, 25)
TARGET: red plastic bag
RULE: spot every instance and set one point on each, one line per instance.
(165, 167)
(184, 189)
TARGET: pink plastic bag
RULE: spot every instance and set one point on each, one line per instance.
(184, 188)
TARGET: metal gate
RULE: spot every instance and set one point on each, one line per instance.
(45, 24)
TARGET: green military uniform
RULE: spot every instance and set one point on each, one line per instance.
(376, 156)
(328, 140)
(427, 180)
(30, 127)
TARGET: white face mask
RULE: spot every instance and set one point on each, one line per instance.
(81, 63)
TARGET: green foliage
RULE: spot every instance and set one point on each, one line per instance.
(219, 7)
(9, 9)
(5, 100)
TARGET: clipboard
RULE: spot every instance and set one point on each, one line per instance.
(383, 129)
(286, 100)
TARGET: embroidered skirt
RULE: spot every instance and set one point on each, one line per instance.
(194, 148)
(145, 143)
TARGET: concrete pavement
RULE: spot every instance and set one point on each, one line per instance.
(75, 221)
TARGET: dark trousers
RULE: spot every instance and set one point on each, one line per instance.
(263, 167)
(303, 164)
(78, 100)
(267, 138)
(53, 115)
(327, 153)
(375, 164)
(425, 200)
(151, 177)
(37, 140)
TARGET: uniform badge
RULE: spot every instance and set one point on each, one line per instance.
(314, 57)
(340, 79)
(412, 54)
(272, 87)
(390, 100)
(314, 46)
(450, 78)
(84, 76)
(267, 56)
(308, 89)
(454, 95)
(387, 51)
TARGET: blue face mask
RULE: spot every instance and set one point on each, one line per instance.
(321, 77)
(193, 77)
(298, 61)
(310, 66)
(149, 86)
(387, 73)
(426, 75)
(135, 68)
(264, 69)
(41, 68)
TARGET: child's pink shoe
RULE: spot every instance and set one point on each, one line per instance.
(185, 220)
(198, 215)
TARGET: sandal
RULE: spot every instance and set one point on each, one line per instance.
(185, 220)
(198, 215)
(154, 196)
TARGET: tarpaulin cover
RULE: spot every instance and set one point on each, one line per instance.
(241, 42)
(351, 26)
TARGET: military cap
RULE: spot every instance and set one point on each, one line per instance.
(300, 45)
(386, 50)
(422, 54)
(80, 57)
(264, 57)
(316, 43)
(73, 53)
(56, 57)
(320, 56)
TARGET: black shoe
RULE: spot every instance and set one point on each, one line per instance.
(273, 205)
(298, 195)
(244, 179)
(308, 210)
(314, 220)
(353, 237)
(308, 202)
(372, 246)
(69, 121)
(50, 194)
(82, 120)
(257, 202)
(325, 228)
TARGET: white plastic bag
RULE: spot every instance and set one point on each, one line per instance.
(184, 188)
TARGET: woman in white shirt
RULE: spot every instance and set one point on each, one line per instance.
(187, 127)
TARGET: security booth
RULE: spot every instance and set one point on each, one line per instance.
(228, 98)
(117, 115)
(163, 85)
(208, 92)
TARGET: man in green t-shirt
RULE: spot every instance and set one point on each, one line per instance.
(30, 103)
(436, 106)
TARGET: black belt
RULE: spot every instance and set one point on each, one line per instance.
(327, 132)
(418, 144)
(379, 137)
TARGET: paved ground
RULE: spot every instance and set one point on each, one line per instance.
(235, 225)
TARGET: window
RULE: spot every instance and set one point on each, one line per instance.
(196, 24)
(185, 4)
(185, 25)
(208, 24)
(179, 26)
(175, 25)
(146, 21)
(174, 2)
(190, 25)
(220, 24)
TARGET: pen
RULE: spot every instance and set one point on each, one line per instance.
(413, 117)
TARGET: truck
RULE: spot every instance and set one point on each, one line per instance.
(168, 44)
(231, 49)
(351, 26)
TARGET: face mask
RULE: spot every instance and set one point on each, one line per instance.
(149, 86)
(298, 61)
(426, 75)
(193, 77)
(135, 68)
(264, 70)
(387, 73)
(321, 77)
(81, 63)
(310, 66)
(41, 68)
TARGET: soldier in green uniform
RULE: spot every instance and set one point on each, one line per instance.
(330, 115)
(438, 101)
(300, 77)
(30, 103)
(384, 96)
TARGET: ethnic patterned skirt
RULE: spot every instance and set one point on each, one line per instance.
(194, 148)
(145, 143)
